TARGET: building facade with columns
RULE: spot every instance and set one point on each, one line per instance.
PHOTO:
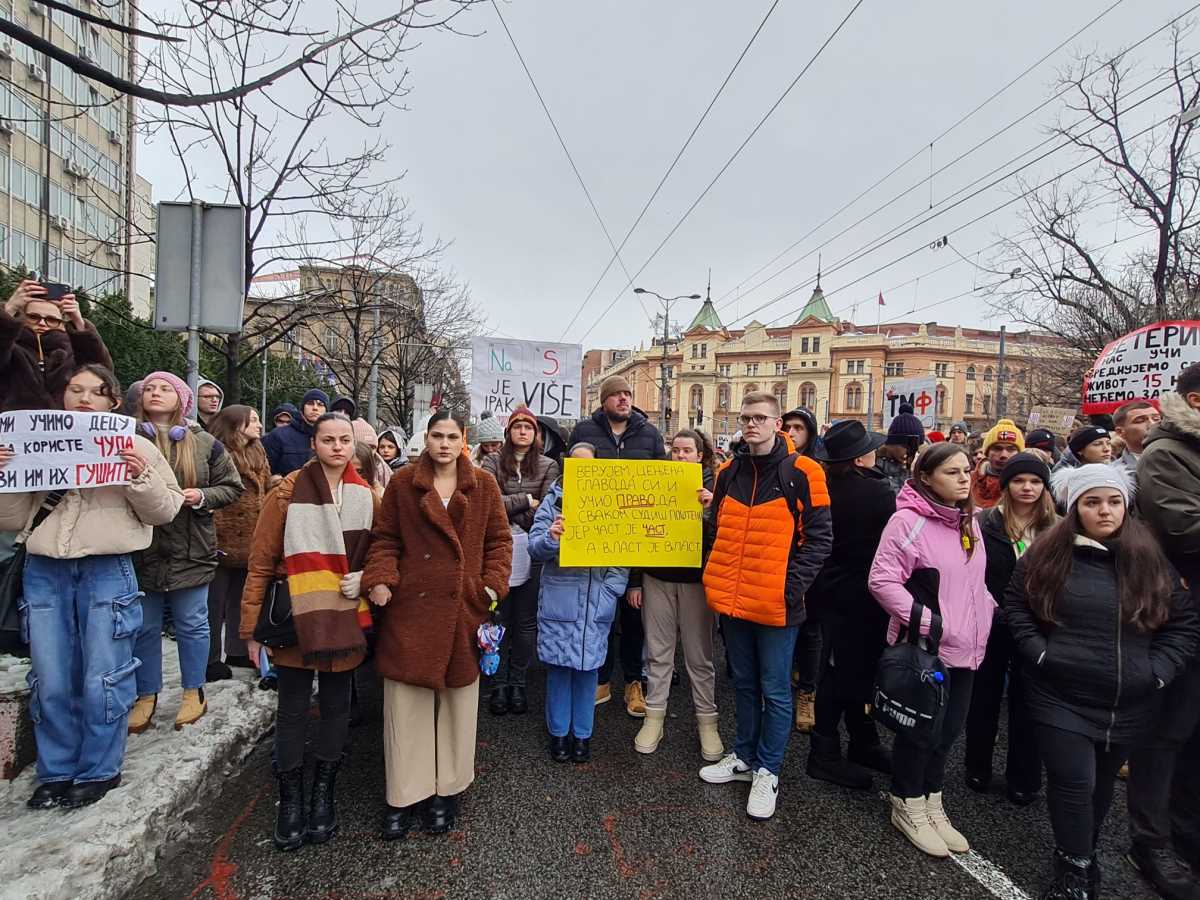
(837, 369)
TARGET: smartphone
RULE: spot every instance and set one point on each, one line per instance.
(56, 291)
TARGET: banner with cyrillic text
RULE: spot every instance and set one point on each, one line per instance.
(61, 451)
(631, 513)
(1142, 365)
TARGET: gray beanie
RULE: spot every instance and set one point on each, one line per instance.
(1071, 484)
(489, 430)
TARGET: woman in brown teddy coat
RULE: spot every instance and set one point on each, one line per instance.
(439, 563)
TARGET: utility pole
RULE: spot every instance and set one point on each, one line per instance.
(373, 396)
(664, 396)
(262, 415)
(1001, 405)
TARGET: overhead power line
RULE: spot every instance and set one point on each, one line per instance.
(736, 153)
(562, 143)
(671, 168)
(978, 146)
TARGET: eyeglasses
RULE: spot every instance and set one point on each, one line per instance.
(52, 321)
(758, 421)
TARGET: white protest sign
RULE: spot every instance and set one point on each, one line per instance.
(921, 393)
(61, 451)
(507, 373)
(1142, 365)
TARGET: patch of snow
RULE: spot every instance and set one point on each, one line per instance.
(104, 850)
(13, 670)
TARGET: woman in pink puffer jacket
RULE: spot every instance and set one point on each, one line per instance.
(932, 552)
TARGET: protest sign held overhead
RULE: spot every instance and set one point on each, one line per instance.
(920, 393)
(61, 451)
(1142, 365)
(545, 377)
(631, 513)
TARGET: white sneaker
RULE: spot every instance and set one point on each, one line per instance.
(763, 794)
(730, 768)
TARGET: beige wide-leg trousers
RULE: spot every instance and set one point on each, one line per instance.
(669, 609)
(428, 740)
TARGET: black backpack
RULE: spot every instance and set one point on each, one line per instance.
(911, 683)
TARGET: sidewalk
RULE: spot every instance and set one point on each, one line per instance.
(104, 850)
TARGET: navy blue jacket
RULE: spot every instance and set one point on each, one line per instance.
(289, 448)
(640, 440)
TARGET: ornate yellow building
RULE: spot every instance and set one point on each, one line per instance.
(836, 368)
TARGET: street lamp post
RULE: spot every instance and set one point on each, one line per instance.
(664, 394)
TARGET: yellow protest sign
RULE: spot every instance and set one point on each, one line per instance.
(621, 512)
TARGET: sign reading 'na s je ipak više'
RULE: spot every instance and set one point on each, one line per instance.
(506, 374)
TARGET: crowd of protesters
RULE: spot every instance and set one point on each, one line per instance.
(1055, 580)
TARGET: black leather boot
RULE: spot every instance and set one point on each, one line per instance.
(289, 812)
(322, 814)
(581, 750)
(825, 763)
(498, 702)
(48, 795)
(1070, 878)
(440, 814)
(560, 748)
(518, 702)
(1166, 871)
(88, 793)
(398, 821)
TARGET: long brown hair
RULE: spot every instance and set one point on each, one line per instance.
(1143, 583)
(508, 455)
(1044, 515)
(181, 454)
(708, 458)
(929, 460)
(248, 455)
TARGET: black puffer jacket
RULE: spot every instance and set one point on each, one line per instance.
(1091, 673)
(681, 575)
(639, 440)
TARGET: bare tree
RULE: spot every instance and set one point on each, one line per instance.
(274, 151)
(1074, 282)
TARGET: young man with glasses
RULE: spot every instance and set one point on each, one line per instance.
(774, 532)
(42, 341)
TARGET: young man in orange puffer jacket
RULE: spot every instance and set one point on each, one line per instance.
(773, 534)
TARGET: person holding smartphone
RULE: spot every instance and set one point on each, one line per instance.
(43, 339)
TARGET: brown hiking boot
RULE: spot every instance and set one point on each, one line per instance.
(192, 708)
(635, 701)
(806, 712)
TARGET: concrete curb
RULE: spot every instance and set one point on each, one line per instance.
(105, 850)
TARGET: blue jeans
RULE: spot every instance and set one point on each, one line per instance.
(761, 657)
(570, 701)
(82, 616)
(189, 608)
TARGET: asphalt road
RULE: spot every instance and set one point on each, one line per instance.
(626, 825)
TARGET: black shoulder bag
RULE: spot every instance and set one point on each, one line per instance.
(911, 682)
(14, 638)
(276, 628)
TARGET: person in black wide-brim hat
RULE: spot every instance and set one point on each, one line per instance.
(855, 627)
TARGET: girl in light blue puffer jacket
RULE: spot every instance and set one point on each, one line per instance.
(576, 607)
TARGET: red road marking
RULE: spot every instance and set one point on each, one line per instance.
(220, 869)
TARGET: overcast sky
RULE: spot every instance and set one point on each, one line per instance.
(627, 80)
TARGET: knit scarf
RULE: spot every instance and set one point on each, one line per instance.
(320, 545)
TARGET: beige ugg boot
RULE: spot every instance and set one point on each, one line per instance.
(711, 748)
(955, 842)
(651, 733)
(911, 819)
(194, 705)
(806, 712)
(142, 713)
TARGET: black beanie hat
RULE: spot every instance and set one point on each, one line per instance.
(1024, 464)
(1042, 438)
(1085, 436)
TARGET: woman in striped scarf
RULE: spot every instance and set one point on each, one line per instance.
(311, 539)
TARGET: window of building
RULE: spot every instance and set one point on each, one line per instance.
(803, 345)
(668, 372)
(751, 369)
(856, 366)
(808, 394)
(704, 351)
(987, 374)
(893, 369)
(987, 404)
(854, 396)
(723, 396)
(725, 370)
(969, 404)
(970, 373)
(695, 351)
(332, 341)
(697, 397)
(941, 370)
(780, 392)
(941, 400)
(751, 388)
(816, 345)
(780, 368)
